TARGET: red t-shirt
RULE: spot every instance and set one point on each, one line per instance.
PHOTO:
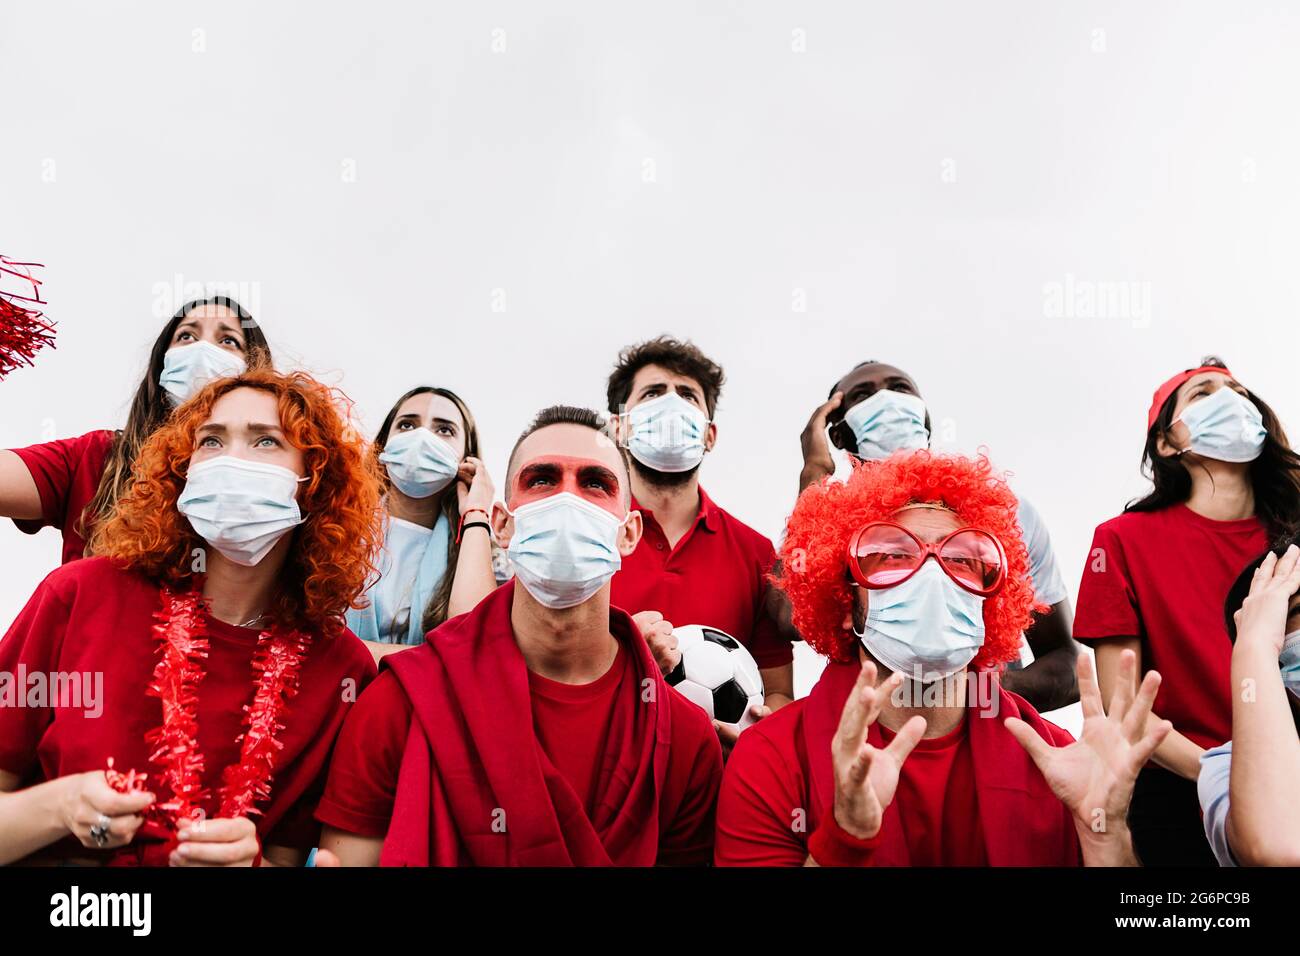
(765, 817)
(572, 722)
(67, 474)
(1162, 576)
(571, 725)
(91, 618)
(716, 575)
(937, 802)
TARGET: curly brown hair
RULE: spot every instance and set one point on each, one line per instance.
(684, 358)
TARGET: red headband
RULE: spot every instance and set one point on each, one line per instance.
(1168, 388)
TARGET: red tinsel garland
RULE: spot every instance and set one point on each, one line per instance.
(278, 663)
(183, 647)
(23, 331)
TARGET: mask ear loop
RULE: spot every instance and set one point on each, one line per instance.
(1178, 452)
(850, 456)
(295, 494)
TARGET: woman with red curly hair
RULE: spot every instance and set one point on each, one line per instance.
(180, 690)
(912, 578)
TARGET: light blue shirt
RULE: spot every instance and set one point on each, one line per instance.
(411, 568)
(404, 547)
(1212, 788)
(1049, 587)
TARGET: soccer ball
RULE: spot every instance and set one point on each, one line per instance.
(716, 673)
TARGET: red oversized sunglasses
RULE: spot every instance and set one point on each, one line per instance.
(882, 554)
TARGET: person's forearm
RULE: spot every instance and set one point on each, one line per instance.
(473, 580)
(811, 474)
(1264, 829)
(778, 685)
(31, 819)
(283, 856)
(1048, 683)
(351, 849)
(1114, 847)
(1178, 754)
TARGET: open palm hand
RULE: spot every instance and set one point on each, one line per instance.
(1094, 776)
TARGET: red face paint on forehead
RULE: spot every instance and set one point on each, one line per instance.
(588, 478)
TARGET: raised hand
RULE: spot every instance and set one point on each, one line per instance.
(1262, 617)
(474, 488)
(1094, 776)
(817, 460)
(866, 777)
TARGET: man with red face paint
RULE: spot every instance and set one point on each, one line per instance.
(536, 730)
(912, 577)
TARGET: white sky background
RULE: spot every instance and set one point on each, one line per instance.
(795, 186)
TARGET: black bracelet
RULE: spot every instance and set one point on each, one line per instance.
(475, 524)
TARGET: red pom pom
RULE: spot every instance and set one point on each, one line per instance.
(24, 331)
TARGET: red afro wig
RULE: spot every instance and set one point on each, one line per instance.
(814, 570)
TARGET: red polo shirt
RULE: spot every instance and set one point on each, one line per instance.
(717, 575)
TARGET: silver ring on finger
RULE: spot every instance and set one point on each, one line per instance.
(99, 832)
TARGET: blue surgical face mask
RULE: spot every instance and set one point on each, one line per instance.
(419, 463)
(667, 433)
(241, 508)
(1225, 426)
(887, 422)
(1289, 661)
(926, 628)
(187, 368)
(564, 549)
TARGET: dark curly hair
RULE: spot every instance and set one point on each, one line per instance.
(684, 358)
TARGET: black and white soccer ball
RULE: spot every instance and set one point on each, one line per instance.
(717, 673)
